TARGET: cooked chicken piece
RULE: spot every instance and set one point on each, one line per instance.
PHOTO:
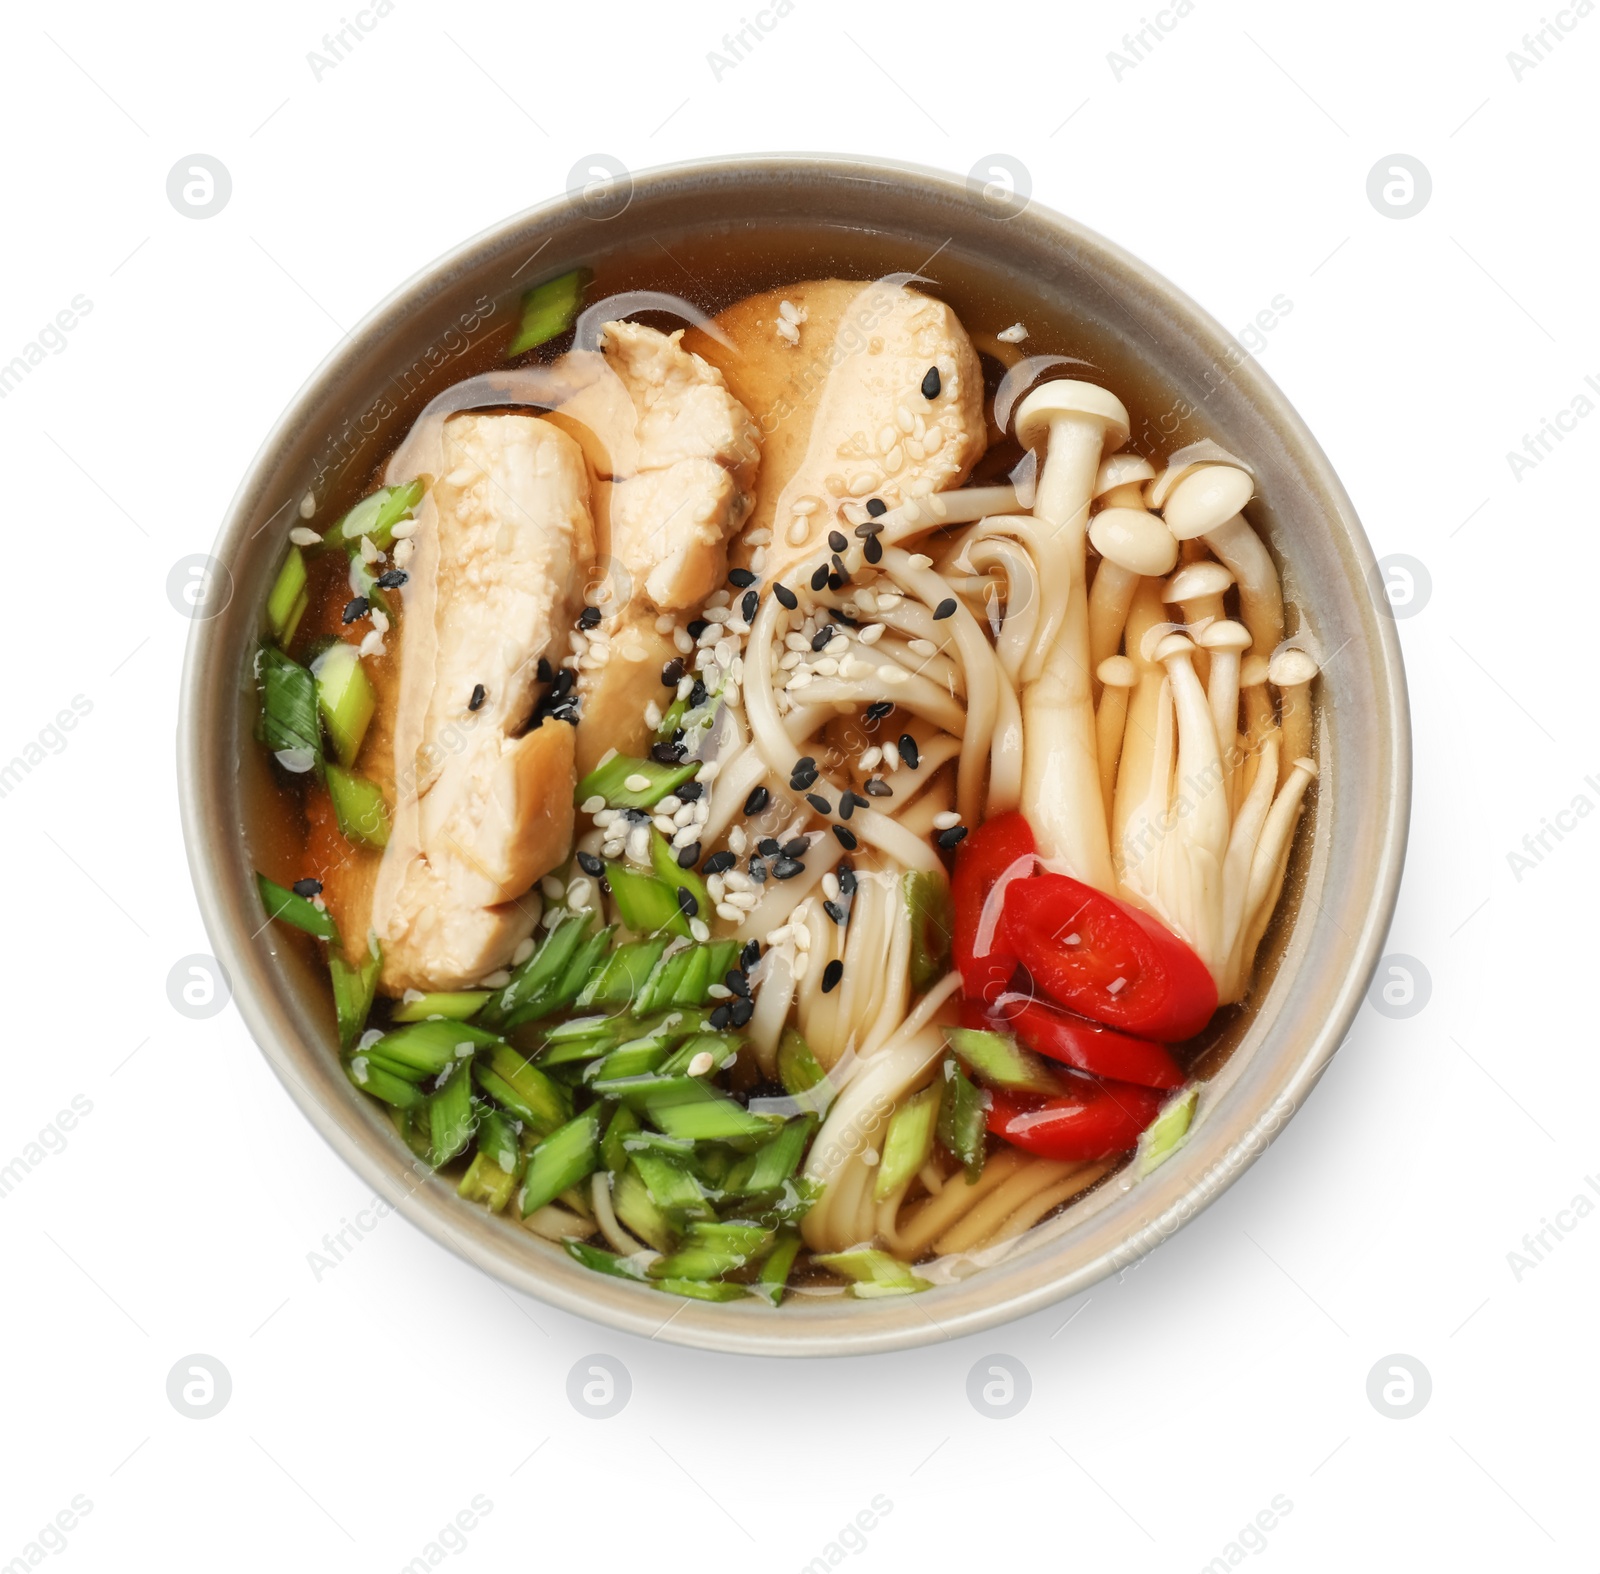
(673, 457)
(845, 414)
(504, 544)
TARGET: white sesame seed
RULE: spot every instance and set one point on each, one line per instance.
(837, 646)
(404, 530)
(921, 560)
(681, 816)
(308, 505)
(525, 949)
(923, 647)
(737, 840)
(611, 849)
(871, 634)
(602, 816)
(802, 936)
(664, 623)
(787, 331)
(368, 549)
(303, 537)
(870, 758)
(804, 506)
(636, 782)
(734, 916)
(496, 980)
(402, 553)
(945, 819)
(827, 667)
(663, 823)
(701, 1064)
(893, 676)
(580, 895)
(553, 888)
(830, 886)
(797, 532)
(862, 482)
(685, 686)
(700, 929)
(682, 642)
(372, 645)
(799, 678)
(379, 621)
(802, 965)
(683, 835)
(709, 772)
(1015, 334)
(891, 756)
(737, 880)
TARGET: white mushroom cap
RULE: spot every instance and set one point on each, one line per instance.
(1069, 397)
(1205, 498)
(1122, 470)
(1225, 634)
(1291, 666)
(1134, 540)
(1151, 641)
(1253, 672)
(1194, 580)
(1174, 645)
(1117, 672)
(1205, 452)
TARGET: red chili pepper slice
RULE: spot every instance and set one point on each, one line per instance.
(1107, 960)
(984, 857)
(1097, 1120)
(1075, 1041)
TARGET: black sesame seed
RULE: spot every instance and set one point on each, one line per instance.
(720, 1018)
(908, 751)
(806, 762)
(479, 694)
(563, 682)
(591, 865)
(834, 911)
(697, 626)
(690, 792)
(689, 856)
(307, 888)
(786, 597)
(687, 903)
(697, 694)
(758, 870)
(820, 639)
(797, 846)
(837, 541)
(847, 838)
(831, 975)
(667, 753)
(837, 581)
(757, 801)
(951, 838)
(589, 618)
(394, 579)
(945, 609)
(748, 604)
(819, 803)
(750, 955)
(770, 845)
(847, 877)
(740, 1012)
(930, 383)
(873, 550)
(820, 578)
(786, 868)
(735, 980)
(354, 609)
(879, 709)
(672, 673)
(802, 780)
(546, 671)
(877, 507)
(639, 816)
(605, 887)
(720, 863)
(847, 805)
(877, 787)
(565, 713)
(839, 568)
(741, 577)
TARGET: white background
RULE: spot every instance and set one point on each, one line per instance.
(1166, 1411)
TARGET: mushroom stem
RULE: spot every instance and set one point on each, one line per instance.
(1060, 770)
(1109, 600)
(1226, 641)
(1271, 861)
(1242, 840)
(1137, 759)
(1117, 675)
(1292, 670)
(1260, 594)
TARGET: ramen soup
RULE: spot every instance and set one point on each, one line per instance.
(788, 784)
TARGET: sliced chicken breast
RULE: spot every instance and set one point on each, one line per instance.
(848, 403)
(673, 456)
(482, 809)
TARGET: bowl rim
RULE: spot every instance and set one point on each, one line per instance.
(1193, 1178)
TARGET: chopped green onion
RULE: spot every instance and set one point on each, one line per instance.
(665, 863)
(524, 1090)
(696, 1112)
(287, 602)
(963, 1113)
(607, 781)
(569, 985)
(798, 1069)
(543, 969)
(613, 1152)
(375, 517)
(632, 1203)
(711, 1250)
(345, 698)
(647, 905)
(875, 1273)
(670, 1185)
(548, 309)
(497, 1139)
(457, 1005)
(773, 1162)
(1001, 1061)
(428, 1048)
(296, 910)
(703, 1289)
(604, 1261)
(1166, 1133)
(774, 1276)
(353, 990)
(358, 806)
(624, 974)
(561, 1160)
(908, 1144)
(450, 1116)
(660, 988)
(932, 923)
(382, 1084)
(487, 1183)
(289, 709)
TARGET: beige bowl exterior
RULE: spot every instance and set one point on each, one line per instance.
(1348, 865)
